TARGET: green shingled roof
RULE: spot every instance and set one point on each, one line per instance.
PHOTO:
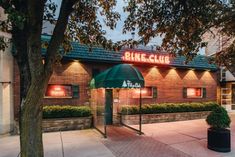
(98, 54)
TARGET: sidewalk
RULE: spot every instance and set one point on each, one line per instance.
(172, 139)
(126, 143)
(85, 143)
(121, 142)
(189, 137)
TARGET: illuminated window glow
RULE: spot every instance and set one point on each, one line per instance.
(194, 93)
(59, 91)
(146, 92)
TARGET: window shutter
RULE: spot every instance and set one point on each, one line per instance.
(154, 92)
(204, 92)
(184, 92)
(75, 90)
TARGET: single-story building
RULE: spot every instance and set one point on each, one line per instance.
(167, 78)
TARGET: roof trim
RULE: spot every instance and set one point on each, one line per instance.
(81, 52)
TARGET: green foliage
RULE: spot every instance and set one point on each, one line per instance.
(85, 24)
(169, 108)
(218, 118)
(182, 24)
(86, 28)
(3, 44)
(56, 111)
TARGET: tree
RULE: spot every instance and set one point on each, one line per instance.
(78, 20)
(182, 24)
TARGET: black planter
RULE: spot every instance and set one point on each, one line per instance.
(219, 140)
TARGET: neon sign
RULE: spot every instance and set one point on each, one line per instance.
(58, 91)
(146, 58)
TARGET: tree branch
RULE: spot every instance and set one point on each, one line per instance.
(58, 35)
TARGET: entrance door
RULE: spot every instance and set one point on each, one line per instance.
(109, 106)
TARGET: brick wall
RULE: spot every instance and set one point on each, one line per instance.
(169, 83)
(67, 73)
(163, 117)
(61, 124)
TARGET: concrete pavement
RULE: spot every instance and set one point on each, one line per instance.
(189, 137)
(174, 139)
(126, 143)
(84, 143)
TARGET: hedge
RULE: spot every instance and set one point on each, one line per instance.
(56, 111)
(169, 108)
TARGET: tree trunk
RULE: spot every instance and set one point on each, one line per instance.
(34, 75)
(31, 120)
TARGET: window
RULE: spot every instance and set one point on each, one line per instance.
(146, 92)
(62, 91)
(223, 74)
(192, 92)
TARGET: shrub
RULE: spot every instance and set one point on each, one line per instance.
(56, 111)
(218, 118)
(130, 110)
(169, 108)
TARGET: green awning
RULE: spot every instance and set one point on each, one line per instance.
(119, 76)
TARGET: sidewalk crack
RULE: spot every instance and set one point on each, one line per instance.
(62, 145)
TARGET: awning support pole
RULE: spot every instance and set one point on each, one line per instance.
(140, 114)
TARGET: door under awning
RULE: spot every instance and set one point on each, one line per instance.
(119, 76)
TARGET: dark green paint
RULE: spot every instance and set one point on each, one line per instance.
(75, 89)
(116, 76)
(204, 92)
(155, 92)
(108, 106)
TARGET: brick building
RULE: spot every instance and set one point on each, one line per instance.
(167, 79)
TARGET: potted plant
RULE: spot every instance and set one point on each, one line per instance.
(218, 135)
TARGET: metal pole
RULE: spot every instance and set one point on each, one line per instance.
(140, 113)
(105, 129)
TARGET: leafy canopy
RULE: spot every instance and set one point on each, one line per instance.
(182, 24)
(83, 24)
